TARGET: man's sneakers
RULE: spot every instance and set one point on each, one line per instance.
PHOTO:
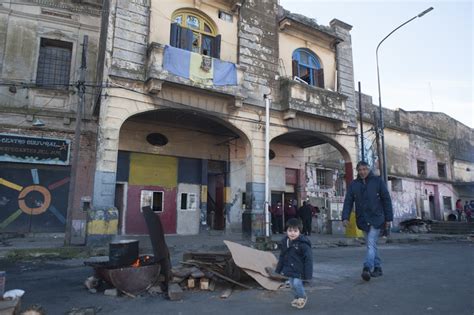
(365, 274)
(377, 272)
(299, 303)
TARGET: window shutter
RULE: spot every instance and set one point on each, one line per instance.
(175, 33)
(186, 40)
(216, 47)
(320, 78)
(294, 68)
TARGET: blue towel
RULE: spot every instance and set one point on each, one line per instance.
(225, 73)
(177, 61)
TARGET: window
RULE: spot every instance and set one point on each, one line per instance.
(441, 170)
(306, 66)
(421, 167)
(188, 201)
(225, 16)
(54, 64)
(324, 178)
(193, 31)
(447, 203)
(397, 184)
(153, 199)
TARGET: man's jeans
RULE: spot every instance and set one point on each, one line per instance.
(372, 259)
(297, 286)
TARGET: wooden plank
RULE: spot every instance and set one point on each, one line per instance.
(217, 274)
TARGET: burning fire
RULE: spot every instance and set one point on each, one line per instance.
(141, 261)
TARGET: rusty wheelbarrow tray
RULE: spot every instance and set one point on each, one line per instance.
(130, 280)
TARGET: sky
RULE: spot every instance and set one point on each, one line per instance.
(427, 65)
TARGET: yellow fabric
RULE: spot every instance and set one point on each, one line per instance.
(352, 230)
(196, 73)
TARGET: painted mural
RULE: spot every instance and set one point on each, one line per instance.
(33, 198)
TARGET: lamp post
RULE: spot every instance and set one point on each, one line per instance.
(384, 157)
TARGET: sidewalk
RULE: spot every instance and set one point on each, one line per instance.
(52, 245)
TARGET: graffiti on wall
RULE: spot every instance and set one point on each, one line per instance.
(33, 199)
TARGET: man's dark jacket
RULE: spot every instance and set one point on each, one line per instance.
(373, 206)
(305, 212)
(296, 258)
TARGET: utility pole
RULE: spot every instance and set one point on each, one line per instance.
(362, 148)
(377, 140)
(77, 142)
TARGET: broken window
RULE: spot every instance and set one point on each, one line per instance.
(447, 203)
(188, 201)
(54, 64)
(421, 167)
(307, 67)
(441, 170)
(193, 31)
(152, 199)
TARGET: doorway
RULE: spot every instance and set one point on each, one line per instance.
(431, 200)
(121, 204)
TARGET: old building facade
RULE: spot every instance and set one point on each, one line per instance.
(40, 57)
(181, 119)
(430, 160)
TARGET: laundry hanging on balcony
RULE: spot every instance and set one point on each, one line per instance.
(199, 68)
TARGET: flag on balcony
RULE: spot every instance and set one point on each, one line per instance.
(199, 68)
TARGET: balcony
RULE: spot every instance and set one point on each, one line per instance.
(299, 97)
(157, 74)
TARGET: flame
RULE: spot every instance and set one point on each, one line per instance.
(136, 263)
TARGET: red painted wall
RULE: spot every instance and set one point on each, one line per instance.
(135, 223)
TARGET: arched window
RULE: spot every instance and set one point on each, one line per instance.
(306, 66)
(195, 32)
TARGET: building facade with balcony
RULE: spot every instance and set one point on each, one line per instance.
(181, 113)
(40, 57)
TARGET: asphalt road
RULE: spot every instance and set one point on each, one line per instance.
(435, 278)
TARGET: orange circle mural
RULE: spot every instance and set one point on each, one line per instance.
(34, 211)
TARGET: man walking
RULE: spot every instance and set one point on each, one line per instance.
(373, 208)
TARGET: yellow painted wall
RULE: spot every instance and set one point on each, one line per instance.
(161, 12)
(149, 169)
(289, 41)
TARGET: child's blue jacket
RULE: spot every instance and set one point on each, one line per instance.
(296, 258)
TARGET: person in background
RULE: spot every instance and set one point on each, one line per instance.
(459, 208)
(277, 218)
(290, 210)
(305, 215)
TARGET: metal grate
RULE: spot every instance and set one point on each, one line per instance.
(54, 64)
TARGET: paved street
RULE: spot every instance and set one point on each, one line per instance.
(432, 278)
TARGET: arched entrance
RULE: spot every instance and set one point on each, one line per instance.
(180, 163)
(311, 166)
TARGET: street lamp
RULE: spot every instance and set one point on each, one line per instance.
(384, 157)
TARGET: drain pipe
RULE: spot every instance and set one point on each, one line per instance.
(267, 162)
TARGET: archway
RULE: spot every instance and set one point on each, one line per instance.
(181, 163)
(311, 166)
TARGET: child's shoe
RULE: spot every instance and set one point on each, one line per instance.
(300, 303)
(293, 303)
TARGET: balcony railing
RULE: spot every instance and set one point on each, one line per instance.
(158, 73)
(300, 97)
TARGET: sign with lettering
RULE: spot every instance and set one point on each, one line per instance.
(24, 149)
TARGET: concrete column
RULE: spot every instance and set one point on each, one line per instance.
(253, 220)
(106, 162)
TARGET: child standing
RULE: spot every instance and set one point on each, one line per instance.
(296, 261)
